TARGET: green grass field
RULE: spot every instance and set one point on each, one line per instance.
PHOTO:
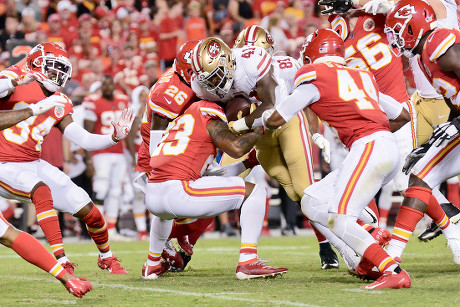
(209, 280)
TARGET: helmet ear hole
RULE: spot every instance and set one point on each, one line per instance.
(409, 30)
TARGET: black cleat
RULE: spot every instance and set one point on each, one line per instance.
(431, 232)
(186, 257)
(329, 259)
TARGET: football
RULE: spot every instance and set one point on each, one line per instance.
(236, 105)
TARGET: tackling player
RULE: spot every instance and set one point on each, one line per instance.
(25, 177)
(347, 100)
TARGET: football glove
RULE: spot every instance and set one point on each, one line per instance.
(324, 145)
(45, 104)
(31, 76)
(415, 155)
(378, 6)
(445, 131)
(123, 126)
(335, 6)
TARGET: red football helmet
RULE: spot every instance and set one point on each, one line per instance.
(321, 46)
(183, 60)
(52, 60)
(406, 23)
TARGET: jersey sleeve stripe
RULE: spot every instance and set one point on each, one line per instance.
(309, 76)
(265, 66)
(9, 74)
(160, 110)
(340, 22)
(442, 47)
(262, 61)
(213, 112)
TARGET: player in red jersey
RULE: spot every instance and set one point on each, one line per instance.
(24, 176)
(176, 188)
(168, 99)
(100, 111)
(350, 105)
(412, 29)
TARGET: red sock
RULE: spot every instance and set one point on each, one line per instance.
(379, 257)
(32, 251)
(47, 218)
(319, 236)
(384, 213)
(438, 215)
(453, 193)
(366, 227)
(97, 229)
(193, 230)
(405, 223)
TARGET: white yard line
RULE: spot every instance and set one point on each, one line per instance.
(219, 296)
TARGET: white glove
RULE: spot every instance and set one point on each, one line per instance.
(378, 6)
(45, 104)
(214, 169)
(31, 76)
(323, 144)
(265, 115)
(122, 128)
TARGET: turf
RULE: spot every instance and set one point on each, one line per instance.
(209, 280)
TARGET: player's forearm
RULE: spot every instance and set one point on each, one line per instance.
(86, 140)
(11, 118)
(244, 143)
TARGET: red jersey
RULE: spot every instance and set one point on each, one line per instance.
(169, 98)
(103, 112)
(350, 105)
(22, 142)
(438, 42)
(366, 47)
(186, 149)
(130, 72)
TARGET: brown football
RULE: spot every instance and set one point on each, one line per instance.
(235, 105)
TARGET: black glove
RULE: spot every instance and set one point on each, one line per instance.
(415, 155)
(445, 131)
(335, 6)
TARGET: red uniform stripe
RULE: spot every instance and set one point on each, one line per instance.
(412, 125)
(14, 191)
(262, 61)
(438, 157)
(219, 191)
(306, 145)
(355, 177)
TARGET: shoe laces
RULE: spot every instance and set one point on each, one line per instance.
(385, 274)
(68, 265)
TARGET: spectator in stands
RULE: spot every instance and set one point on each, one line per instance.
(10, 10)
(116, 39)
(54, 32)
(128, 71)
(83, 90)
(147, 36)
(11, 30)
(152, 73)
(34, 6)
(274, 28)
(29, 24)
(263, 8)
(69, 23)
(240, 11)
(169, 32)
(217, 14)
(227, 34)
(195, 25)
(297, 9)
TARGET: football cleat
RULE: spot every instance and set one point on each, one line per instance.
(172, 257)
(78, 286)
(366, 270)
(153, 272)
(258, 269)
(185, 257)
(381, 236)
(329, 259)
(142, 235)
(69, 267)
(454, 244)
(185, 245)
(431, 232)
(111, 264)
(391, 281)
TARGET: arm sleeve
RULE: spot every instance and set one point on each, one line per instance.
(5, 86)
(390, 106)
(86, 140)
(303, 96)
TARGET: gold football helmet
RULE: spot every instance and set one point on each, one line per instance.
(255, 36)
(214, 66)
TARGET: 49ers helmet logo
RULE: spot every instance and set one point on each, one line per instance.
(405, 12)
(270, 38)
(214, 49)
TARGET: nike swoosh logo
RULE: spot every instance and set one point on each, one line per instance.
(441, 116)
(374, 219)
(261, 53)
(375, 285)
(167, 100)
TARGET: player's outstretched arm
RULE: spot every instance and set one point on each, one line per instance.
(11, 118)
(234, 146)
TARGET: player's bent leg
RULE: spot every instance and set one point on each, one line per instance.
(160, 231)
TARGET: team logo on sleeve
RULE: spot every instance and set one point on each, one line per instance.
(214, 49)
(59, 111)
(369, 25)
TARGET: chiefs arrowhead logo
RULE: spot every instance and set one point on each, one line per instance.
(405, 12)
(214, 49)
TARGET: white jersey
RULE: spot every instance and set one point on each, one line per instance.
(251, 64)
(424, 87)
(284, 70)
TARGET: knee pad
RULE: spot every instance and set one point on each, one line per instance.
(314, 209)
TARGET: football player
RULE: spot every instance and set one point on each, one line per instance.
(25, 177)
(347, 99)
(412, 29)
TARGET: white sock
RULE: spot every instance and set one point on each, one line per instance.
(395, 248)
(252, 215)
(63, 260)
(106, 255)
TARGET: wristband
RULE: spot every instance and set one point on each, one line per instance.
(240, 125)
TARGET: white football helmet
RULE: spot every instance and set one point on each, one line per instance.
(213, 65)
